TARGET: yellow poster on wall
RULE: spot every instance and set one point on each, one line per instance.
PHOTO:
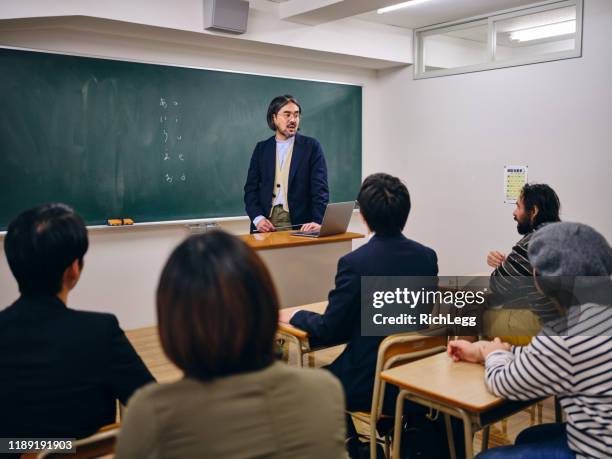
(515, 177)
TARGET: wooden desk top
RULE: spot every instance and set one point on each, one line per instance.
(460, 384)
(281, 239)
(146, 342)
(290, 329)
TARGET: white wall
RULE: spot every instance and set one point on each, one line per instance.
(123, 264)
(450, 137)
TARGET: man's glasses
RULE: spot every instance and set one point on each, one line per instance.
(288, 115)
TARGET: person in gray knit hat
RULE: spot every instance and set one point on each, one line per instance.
(570, 249)
(573, 264)
(572, 267)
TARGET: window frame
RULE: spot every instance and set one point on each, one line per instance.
(491, 20)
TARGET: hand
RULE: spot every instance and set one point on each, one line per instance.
(285, 316)
(495, 345)
(464, 350)
(312, 226)
(265, 226)
(495, 259)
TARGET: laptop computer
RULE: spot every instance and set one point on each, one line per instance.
(335, 221)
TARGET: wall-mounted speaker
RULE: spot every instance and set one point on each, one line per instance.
(226, 15)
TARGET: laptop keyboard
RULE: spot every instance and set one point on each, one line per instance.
(306, 233)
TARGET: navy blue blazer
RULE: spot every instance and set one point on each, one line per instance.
(308, 193)
(393, 255)
(61, 370)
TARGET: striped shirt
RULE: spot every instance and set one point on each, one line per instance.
(512, 285)
(576, 367)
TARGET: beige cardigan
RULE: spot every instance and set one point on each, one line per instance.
(277, 412)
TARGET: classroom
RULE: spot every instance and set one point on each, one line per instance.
(444, 95)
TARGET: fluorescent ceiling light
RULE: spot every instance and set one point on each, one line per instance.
(545, 31)
(398, 6)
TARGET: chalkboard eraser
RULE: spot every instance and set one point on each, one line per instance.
(119, 221)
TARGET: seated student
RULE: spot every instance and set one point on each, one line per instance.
(570, 358)
(537, 206)
(61, 370)
(384, 203)
(218, 315)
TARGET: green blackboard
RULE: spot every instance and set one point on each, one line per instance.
(152, 142)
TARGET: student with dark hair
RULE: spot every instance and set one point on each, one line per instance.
(542, 205)
(384, 203)
(286, 184)
(217, 316)
(61, 370)
(570, 358)
(511, 284)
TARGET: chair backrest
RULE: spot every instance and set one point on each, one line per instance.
(100, 444)
(398, 349)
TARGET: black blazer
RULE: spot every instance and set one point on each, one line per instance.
(341, 322)
(308, 193)
(61, 370)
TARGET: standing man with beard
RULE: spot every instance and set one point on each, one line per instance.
(511, 281)
(286, 185)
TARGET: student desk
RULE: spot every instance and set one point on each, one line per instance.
(299, 337)
(302, 268)
(456, 388)
(147, 345)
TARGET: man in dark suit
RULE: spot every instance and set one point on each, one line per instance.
(61, 370)
(286, 185)
(384, 203)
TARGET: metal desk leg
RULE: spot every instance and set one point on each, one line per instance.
(558, 411)
(468, 433)
(540, 406)
(397, 425)
(283, 345)
(485, 438)
(298, 346)
(300, 354)
(449, 436)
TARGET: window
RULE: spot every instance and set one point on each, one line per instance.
(448, 48)
(538, 33)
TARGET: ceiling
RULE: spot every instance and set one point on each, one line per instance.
(424, 14)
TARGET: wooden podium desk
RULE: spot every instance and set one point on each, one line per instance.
(302, 268)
